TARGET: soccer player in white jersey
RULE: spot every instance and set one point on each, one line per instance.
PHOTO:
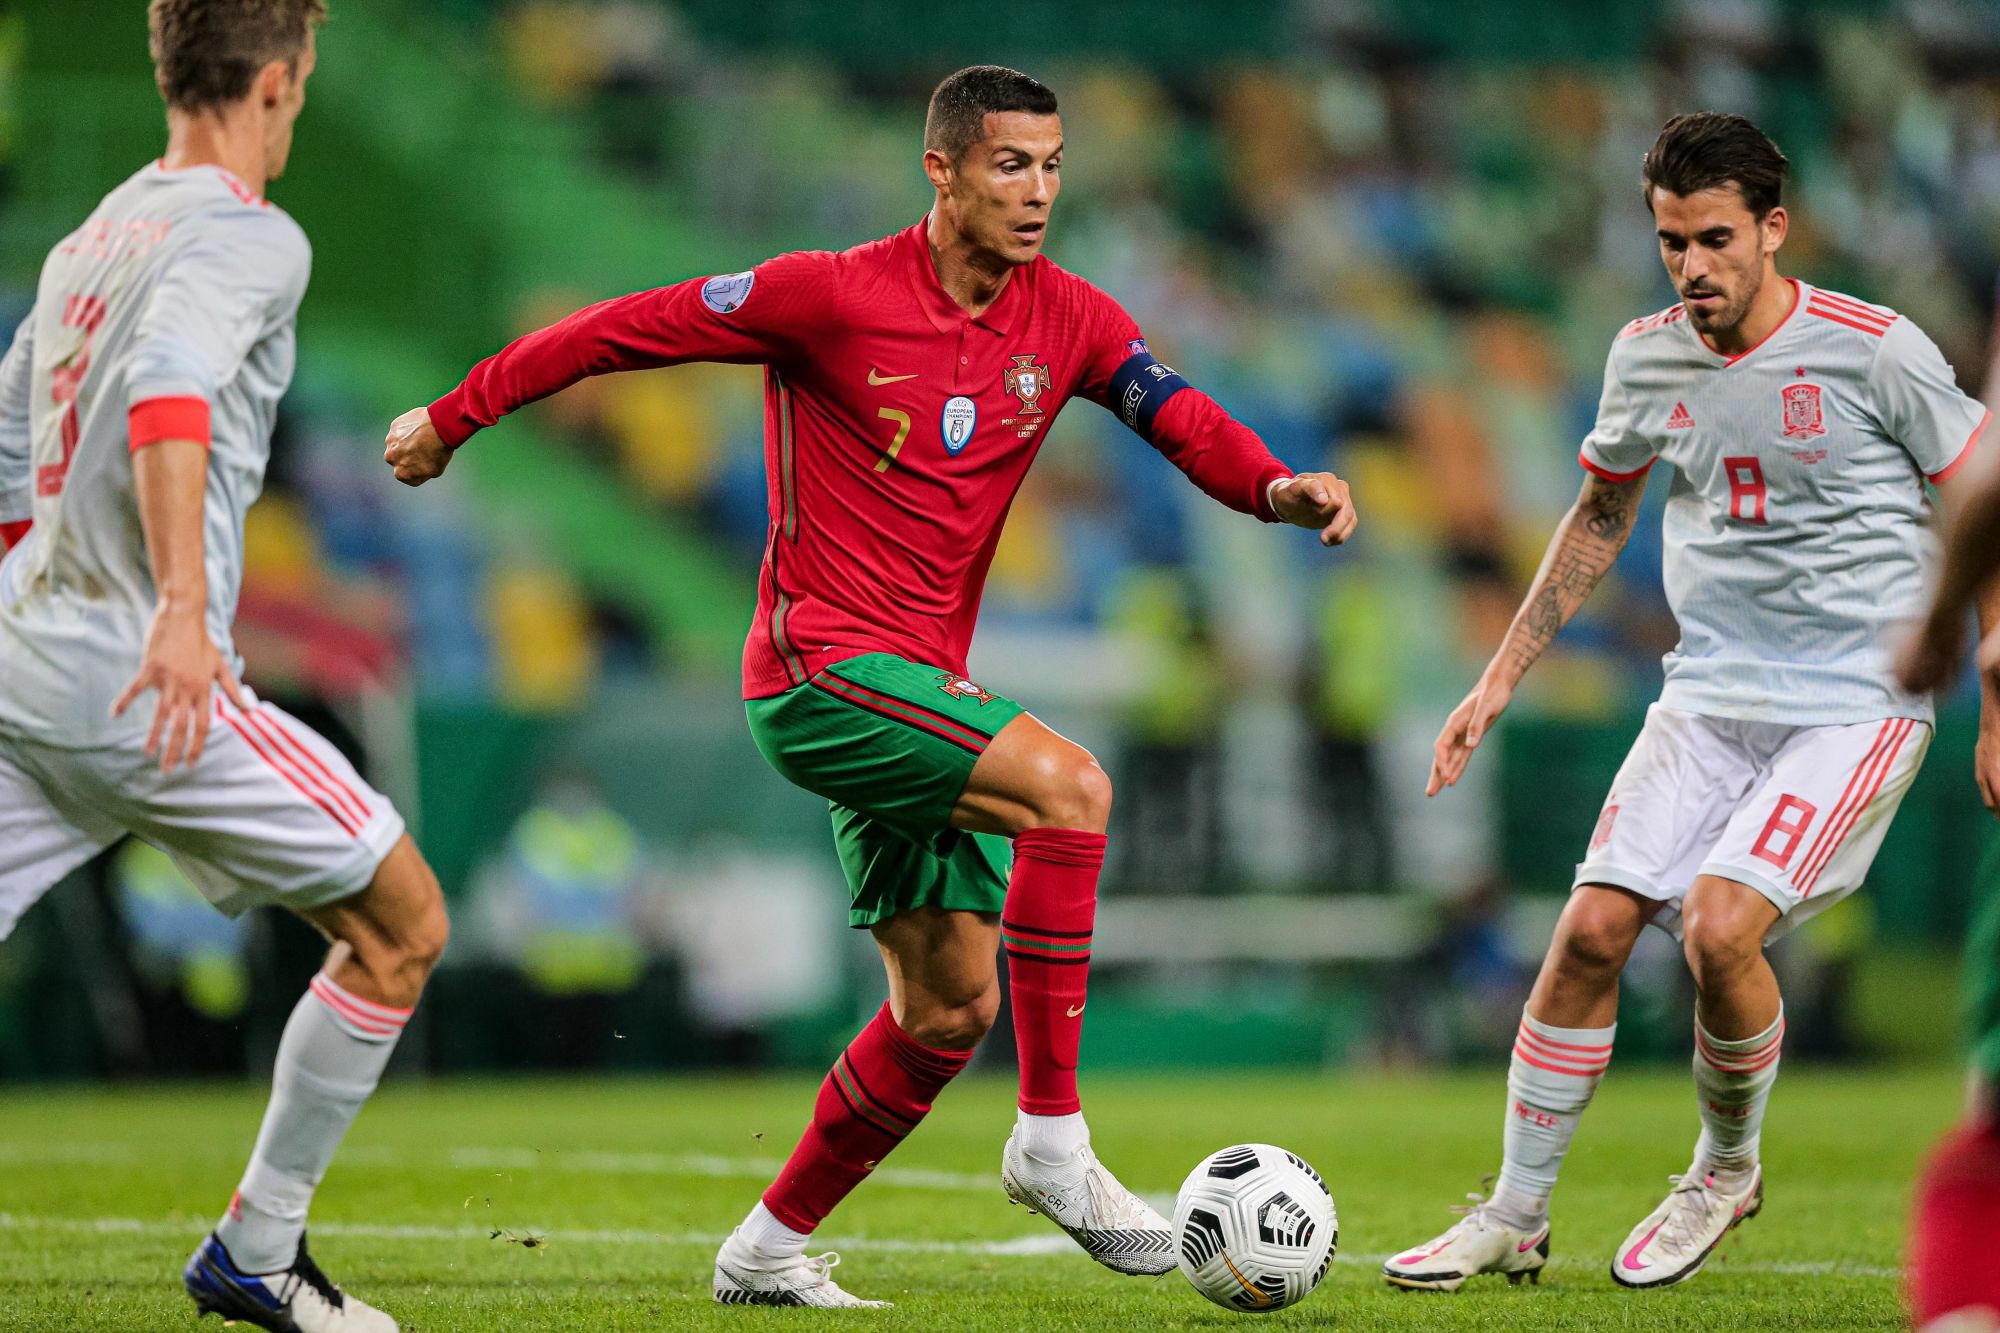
(136, 405)
(1802, 426)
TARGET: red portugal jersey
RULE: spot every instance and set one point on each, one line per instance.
(897, 428)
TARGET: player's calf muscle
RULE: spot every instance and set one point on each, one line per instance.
(393, 931)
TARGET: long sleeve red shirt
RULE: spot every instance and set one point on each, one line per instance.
(897, 428)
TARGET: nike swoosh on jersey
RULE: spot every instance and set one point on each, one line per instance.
(1074, 1012)
(877, 377)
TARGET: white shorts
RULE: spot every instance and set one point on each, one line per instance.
(271, 814)
(1796, 813)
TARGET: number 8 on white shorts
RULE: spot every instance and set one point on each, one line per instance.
(1797, 813)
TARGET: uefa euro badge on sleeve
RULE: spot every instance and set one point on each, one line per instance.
(724, 294)
(955, 424)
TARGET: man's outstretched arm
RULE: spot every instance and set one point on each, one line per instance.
(1585, 546)
(760, 315)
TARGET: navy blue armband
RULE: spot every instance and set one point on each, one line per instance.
(1140, 387)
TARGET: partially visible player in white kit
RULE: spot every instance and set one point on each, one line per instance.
(1802, 426)
(136, 406)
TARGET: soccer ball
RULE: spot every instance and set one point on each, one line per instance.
(1254, 1228)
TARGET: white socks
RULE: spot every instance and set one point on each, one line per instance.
(1550, 1082)
(1051, 1139)
(1733, 1081)
(331, 1056)
(770, 1238)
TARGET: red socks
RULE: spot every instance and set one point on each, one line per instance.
(1957, 1212)
(1045, 928)
(879, 1088)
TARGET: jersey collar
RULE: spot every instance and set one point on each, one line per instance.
(1799, 293)
(945, 314)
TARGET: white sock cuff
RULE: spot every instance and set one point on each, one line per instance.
(1737, 1052)
(764, 1233)
(1052, 1139)
(1584, 1052)
(363, 1020)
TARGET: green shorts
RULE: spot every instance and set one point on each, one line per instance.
(890, 744)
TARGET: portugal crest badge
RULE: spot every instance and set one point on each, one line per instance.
(1028, 382)
(1803, 420)
(958, 687)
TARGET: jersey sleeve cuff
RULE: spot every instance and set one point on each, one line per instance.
(177, 417)
(453, 424)
(1263, 508)
(1598, 470)
(1950, 470)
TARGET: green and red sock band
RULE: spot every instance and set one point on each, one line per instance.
(1045, 946)
(901, 710)
(855, 1093)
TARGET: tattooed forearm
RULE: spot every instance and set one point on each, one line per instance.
(1585, 547)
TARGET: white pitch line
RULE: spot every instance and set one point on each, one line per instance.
(509, 1159)
(1016, 1248)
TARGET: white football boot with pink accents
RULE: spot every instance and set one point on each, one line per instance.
(1477, 1243)
(1676, 1238)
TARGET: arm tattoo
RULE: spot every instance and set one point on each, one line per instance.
(1585, 547)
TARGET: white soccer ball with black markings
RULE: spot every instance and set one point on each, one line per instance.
(1255, 1228)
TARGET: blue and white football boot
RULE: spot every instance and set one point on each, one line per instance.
(301, 1299)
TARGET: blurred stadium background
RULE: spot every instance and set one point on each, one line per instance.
(1394, 237)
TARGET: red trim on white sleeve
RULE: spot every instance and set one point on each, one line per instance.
(11, 534)
(173, 418)
(1950, 470)
(1609, 475)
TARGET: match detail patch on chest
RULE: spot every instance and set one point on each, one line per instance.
(956, 423)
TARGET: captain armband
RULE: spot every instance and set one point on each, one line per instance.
(1140, 387)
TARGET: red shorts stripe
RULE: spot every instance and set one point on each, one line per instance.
(1854, 781)
(1882, 771)
(262, 726)
(333, 811)
(352, 803)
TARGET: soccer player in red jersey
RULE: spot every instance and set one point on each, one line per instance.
(909, 383)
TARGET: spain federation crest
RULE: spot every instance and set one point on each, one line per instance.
(1028, 382)
(1803, 419)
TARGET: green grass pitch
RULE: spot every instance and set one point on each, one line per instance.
(628, 1186)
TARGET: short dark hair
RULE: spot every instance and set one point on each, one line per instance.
(959, 106)
(207, 52)
(1706, 149)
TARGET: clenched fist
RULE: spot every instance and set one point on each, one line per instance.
(414, 450)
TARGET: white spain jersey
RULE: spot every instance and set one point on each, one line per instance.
(1797, 529)
(168, 314)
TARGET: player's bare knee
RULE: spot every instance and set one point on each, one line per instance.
(1593, 941)
(954, 1025)
(1720, 943)
(1072, 791)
